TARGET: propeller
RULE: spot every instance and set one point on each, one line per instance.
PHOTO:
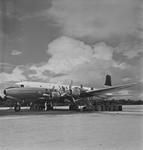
(70, 85)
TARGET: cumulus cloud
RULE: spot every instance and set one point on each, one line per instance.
(77, 61)
(121, 66)
(16, 52)
(67, 53)
(16, 75)
(133, 53)
(72, 59)
(96, 19)
(6, 67)
(133, 48)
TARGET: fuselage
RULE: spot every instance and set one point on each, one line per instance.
(38, 90)
(49, 85)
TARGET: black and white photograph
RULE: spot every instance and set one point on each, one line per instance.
(71, 74)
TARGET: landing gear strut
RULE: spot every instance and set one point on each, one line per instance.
(73, 107)
(17, 107)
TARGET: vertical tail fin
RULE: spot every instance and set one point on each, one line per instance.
(108, 81)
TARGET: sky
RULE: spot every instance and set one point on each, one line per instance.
(64, 40)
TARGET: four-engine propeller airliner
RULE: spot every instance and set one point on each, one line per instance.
(37, 91)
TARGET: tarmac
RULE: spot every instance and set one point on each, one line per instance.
(67, 130)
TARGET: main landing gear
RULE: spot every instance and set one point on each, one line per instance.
(73, 107)
(17, 107)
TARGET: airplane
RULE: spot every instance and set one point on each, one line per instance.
(34, 92)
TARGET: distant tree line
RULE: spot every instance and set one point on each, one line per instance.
(128, 102)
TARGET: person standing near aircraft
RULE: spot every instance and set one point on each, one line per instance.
(31, 104)
(46, 106)
(17, 107)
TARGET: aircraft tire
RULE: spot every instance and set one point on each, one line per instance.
(49, 108)
(120, 108)
(73, 107)
(17, 108)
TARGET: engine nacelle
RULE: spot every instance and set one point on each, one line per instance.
(76, 91)
(4, 92)
(55, 94)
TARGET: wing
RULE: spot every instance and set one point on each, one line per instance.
(106, 90)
